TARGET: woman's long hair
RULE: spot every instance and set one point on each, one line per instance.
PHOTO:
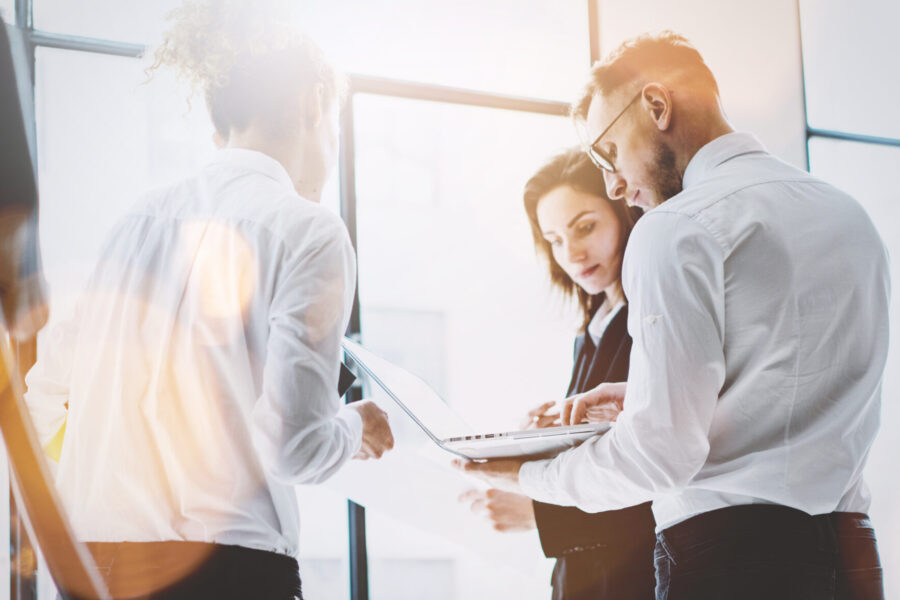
(572, 168)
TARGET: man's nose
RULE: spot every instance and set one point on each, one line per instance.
(615, 185)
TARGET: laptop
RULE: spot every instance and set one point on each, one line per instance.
(446, 429)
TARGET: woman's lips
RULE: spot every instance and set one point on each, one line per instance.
(587, 272)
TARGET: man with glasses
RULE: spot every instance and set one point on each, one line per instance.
(759, 312)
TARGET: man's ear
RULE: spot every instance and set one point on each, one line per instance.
(656, 99)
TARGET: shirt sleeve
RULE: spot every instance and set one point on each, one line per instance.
(300, 431)
(48, 384)
(673, 279)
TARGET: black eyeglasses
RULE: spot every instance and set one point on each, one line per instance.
(597, 156)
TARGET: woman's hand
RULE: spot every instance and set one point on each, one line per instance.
(538, 417)
(506, 511)
(498, 472)
(603, 403)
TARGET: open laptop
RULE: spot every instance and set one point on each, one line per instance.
(429, 411)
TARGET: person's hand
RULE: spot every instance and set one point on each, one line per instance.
(376, 437)
(603, 403)
(505, 510)
(501, 472)
(538, 417)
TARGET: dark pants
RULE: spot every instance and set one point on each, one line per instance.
(768, 552)
(604, 573)
(195, 571)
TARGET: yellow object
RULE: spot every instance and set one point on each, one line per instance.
(53, 448)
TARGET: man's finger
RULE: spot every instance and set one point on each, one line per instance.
(566, 414)
(604, 412)
(578, 411)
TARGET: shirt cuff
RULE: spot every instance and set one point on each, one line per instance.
(354, 426)
(535, 481)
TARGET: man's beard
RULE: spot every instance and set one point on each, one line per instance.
(668, 181)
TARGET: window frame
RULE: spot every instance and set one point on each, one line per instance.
(22, 586)
(25, 587)
(834, 134)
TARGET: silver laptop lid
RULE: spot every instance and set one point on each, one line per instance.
(414, 396)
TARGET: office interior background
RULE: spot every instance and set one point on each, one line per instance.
(453, 106)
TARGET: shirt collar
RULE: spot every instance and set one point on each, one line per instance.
(598, 324)
(718, 151)
(253, 161)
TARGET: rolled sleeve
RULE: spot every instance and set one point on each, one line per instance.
(300, 433)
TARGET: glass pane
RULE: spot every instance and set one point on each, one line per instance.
(450, 288)
(135, 21)
(324, 564)
(535, 48)
(104, 136)
(868, 173)
(8, 11)
(850, 60)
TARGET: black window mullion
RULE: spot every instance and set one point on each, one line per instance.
(356, 514)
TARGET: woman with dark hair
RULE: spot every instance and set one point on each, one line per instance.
(580, 235)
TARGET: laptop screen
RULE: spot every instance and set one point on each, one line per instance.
(414, 396)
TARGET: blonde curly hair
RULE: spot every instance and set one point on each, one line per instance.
(249, 60)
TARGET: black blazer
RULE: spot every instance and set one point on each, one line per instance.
(565, 529)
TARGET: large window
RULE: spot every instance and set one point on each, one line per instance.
(449, 287)
(439, 138)
(854, 142)
(447, 273)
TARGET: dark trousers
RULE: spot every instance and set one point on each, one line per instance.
(604, 573)
(600, 556)
(768, 552)
(193, 570)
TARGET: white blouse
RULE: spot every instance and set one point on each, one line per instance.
(198, 379)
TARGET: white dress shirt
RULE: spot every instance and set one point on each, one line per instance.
(599, 322)
(200, 370)
(758, 302)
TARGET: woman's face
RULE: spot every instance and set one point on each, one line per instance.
(584, 235)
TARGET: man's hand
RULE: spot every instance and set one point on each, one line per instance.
(376, 437)
(501, 473)
(603, 403)
(538, 417)
(505, 510)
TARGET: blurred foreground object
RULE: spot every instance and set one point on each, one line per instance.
(21, 282)
(24, 313)
(68, 561)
